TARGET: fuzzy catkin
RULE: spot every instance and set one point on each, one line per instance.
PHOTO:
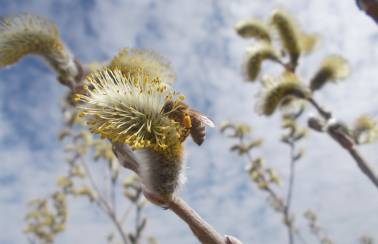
(288, 33)
(278, 90)
(162, 172)
(333, 68)
(132, 61)
(253, 29)
(33, 35)
(256, 54)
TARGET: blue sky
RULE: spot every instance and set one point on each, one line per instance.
(198, 38)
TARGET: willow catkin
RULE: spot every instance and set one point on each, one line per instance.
(277, 91)
(333, 68)
(308, 42)
(128, 108)
(162, 172)
(365, 130)
(132, 61)
(256, 54)
(253, 29)
(27, 34)
(289, 35)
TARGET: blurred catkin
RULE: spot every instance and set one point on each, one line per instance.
(333, 68)
(256, 54)
(278, 90)
(289, 35)
(253, 29)
(27, 34)
(365, 130)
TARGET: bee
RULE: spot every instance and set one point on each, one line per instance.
(189, 118)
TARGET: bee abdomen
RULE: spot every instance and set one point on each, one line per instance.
(198, 131)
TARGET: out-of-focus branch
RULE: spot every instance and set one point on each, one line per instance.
(281, 205)
(290, 193)
(102, 202)
(341, 136)
(318, 231)
(370, 7)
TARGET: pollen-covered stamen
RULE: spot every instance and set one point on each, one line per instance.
(128, 109)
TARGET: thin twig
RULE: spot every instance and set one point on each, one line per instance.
(138, 223)
(346, 142)
(290, 193)
(126, 214)
(106, 207)
(364, 166)
(285, 206)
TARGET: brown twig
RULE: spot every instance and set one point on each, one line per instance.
(346, 142)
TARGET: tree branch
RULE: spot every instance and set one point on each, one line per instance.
(290, 193)
(345, 141)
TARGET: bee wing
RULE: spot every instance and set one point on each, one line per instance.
(201, 117)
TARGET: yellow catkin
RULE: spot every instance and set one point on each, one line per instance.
(132, 61)
(256, 54)
(308, 42)
(333, 68)
(128, 109)
(253, 29)
(286, 86)
(288, 33)
(26, 34)
(365, 130)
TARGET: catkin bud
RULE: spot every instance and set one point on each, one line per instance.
(277, 91)
(26, 34)
(255, 56)
(288, 33)
(253, 29)
(333, 68)
(365, 130)
(308, 42)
